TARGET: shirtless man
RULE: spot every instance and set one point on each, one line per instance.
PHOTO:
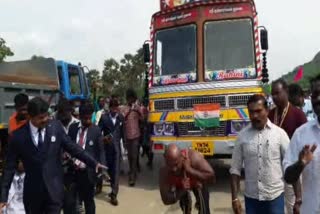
(185, 170)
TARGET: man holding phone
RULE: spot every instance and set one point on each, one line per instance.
(112, 125)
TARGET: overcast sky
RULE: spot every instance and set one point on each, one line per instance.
(91, 31)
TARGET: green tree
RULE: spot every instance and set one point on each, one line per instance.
(5, 51)
(35, 57)
(94, 80)
(117, 77)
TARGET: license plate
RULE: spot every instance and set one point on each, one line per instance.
(205, 148)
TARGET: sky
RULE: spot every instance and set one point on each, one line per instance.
(92, 31)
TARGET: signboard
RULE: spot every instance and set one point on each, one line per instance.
(166, 4)
(187, 15)
(174, 79)
(245, 73)
(239, 10)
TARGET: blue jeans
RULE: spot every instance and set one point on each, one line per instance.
(254, 206)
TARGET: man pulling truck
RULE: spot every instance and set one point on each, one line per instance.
(185, 171)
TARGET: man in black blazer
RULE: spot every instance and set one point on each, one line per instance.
(112, 125)
(89, 137)
(38, 144)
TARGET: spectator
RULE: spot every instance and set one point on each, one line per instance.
(259, 149)
(102, 109)
(296, 95)
(19, 118)
(15, 198)
(133, 116)
(302, 157)
(64, 114)
(287, 116)
(112, 125)
(89, 137)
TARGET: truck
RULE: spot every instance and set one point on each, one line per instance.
(202, 52)
(44, 77)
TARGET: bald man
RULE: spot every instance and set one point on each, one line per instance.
(185, 171)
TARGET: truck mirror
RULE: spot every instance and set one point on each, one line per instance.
(146, 53)
(264, 39)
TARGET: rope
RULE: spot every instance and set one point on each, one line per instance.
(202, 209)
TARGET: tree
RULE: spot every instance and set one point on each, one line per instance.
(117, 77)
(94, 80)
(35, 57)
(5, 51)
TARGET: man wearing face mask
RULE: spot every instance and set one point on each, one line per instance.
(112, 125)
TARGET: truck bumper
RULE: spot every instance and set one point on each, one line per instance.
(221, 146)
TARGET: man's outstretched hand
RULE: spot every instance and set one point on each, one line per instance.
(306, 155)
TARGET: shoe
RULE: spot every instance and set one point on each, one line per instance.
(114, 200)
(132, 183)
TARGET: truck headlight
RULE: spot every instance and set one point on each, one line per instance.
(169, 129)
(160, 129)
(237, 126)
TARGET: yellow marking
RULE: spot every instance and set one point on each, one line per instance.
(204, 147)
(192, 139)
(206, 92)
(187, 116)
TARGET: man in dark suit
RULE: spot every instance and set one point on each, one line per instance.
(89, 137)
(112, 125)
(38, 144)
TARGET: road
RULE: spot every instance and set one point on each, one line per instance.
(144, 198)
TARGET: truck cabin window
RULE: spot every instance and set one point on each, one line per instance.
(175, 51)
(74, 80)
(229, 46)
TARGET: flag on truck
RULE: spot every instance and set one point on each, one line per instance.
(207, 115)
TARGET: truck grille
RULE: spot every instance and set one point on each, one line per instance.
(239, 100)
(189, 129)
(160, 105)
(187, 103)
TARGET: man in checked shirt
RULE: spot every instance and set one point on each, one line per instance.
(260, 148)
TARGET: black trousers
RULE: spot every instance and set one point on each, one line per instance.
(40, 202)
(202, 201)
(112, 151)
(86, 190)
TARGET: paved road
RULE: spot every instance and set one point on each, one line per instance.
(144, 198)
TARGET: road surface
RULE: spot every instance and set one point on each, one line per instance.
(144, 198)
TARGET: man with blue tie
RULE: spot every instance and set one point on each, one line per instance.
(89, 137)
(38, 144)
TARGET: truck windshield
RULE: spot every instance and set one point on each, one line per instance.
(175, 52)
(229, 50)
(74, 80)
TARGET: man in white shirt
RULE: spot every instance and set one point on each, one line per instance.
(303, 157)
(260, 149)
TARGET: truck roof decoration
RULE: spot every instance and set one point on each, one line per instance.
(40, 72)
(170, 4)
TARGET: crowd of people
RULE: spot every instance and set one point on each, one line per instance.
(60, 160)
(277, 151)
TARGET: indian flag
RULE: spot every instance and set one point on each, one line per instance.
(207, 115)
